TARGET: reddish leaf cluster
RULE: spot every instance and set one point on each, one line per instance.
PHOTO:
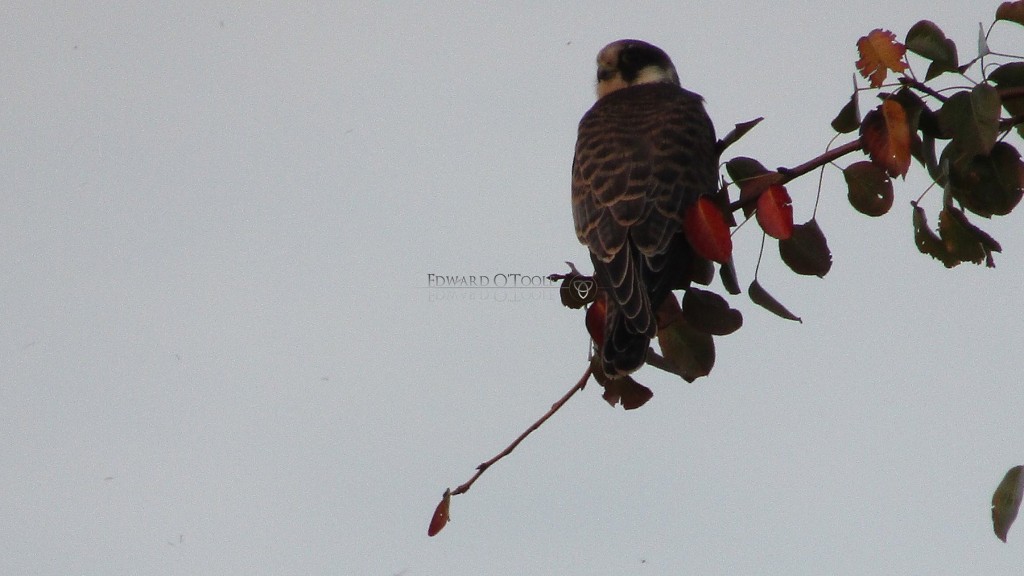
(978, 170)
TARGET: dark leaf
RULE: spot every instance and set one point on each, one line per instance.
(870, 190)
(960, 243)
(622, 390)
(709, 312)
(927, 40)
(1006, 77)
(848, 119)
(687, 352)
(928, 242)
(806, 251)
(1011, 11)
(440, 517)
(1006, 501)
(989, 185)
(702, 271)
(964, 240)
(727, 272)
(736, 133)
(743, 168)
(971, 119)
(752, 178)
(765, 300)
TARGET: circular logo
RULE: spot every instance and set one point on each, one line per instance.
(582, 287)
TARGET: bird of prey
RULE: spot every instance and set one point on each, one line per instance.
(645, 152)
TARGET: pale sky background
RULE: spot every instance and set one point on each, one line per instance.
(219, 354)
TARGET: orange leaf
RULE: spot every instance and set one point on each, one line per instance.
(879, 53)
(440, 517)
(885, 136)
(775, 212)
(707, 232)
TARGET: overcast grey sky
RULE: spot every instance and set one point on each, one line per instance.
(219, 353)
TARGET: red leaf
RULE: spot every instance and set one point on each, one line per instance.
(775, 212)
(707, 232)
(595, 319)
(440, 518)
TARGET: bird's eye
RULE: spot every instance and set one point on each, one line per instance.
(604, 74)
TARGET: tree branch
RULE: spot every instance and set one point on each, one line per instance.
(508, 449)
(797, 171)
(922, 87)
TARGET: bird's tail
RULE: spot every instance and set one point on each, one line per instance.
(623, 350)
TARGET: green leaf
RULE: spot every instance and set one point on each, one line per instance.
(982, 42)
(972, 119)
(848, 119)
(688, 353)
(762, 298)
(870, 189)
(806, 251)
(1006, 501)
(927, 40)
(710, 313)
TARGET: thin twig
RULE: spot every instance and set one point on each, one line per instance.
(508, 449)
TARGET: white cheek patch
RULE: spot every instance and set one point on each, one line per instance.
(652, 74)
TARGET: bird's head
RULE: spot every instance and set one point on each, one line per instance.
(625, 63)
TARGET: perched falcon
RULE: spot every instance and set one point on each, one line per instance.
(645, 152)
